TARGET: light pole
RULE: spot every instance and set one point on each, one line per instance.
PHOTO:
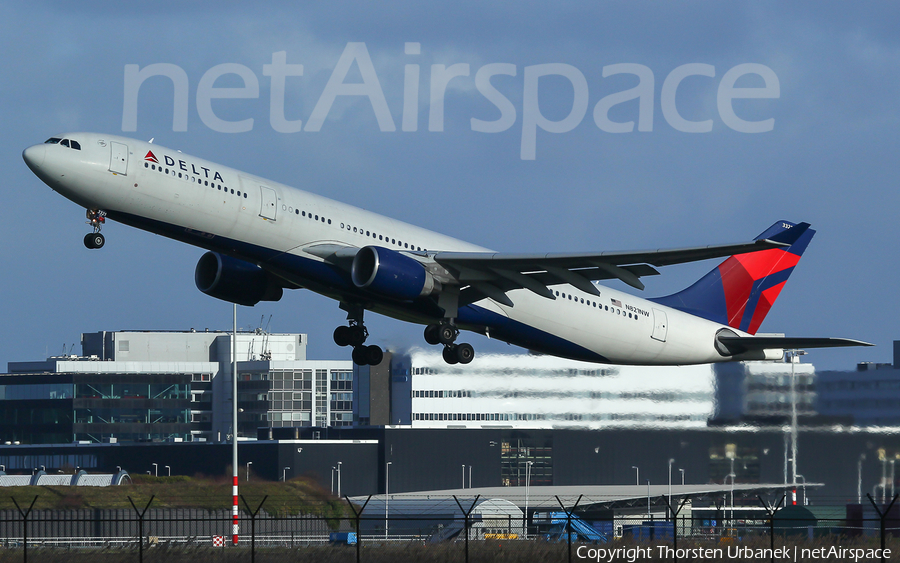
(284, 474)
(333, 470)
(339, 477)
(682, 476)
(387, 496)
(155, 469)
(805, 502)
(234, 428)
(464, 476)
(892, 478)
(794, 429)
(637, 475)
(249, 463)
(668, 507)
(170, 470)
(470, 476)
(648, 499)
(862, 458)
(528, 465)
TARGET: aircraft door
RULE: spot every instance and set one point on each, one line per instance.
(268, 203)
(118, 158)
(660, 325)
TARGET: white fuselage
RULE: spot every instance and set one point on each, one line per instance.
(198, 201)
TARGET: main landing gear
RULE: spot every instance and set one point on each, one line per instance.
(95, 218)
(446, 333)
(355, 335)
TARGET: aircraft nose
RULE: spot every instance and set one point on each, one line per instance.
(34, 156)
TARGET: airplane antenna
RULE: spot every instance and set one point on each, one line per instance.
(151, 140)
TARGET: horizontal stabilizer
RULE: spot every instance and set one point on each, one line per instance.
(739, 345)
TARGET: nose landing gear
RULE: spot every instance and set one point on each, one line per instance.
(95, 218)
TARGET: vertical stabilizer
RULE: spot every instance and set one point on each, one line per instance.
(742, 289)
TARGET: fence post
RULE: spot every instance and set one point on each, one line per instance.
(141, 526)
(674, 514)
(466, 520)
(253, 514)
(569, 522)
(357, 515)
(771, 512)
(25, 525)
(882, 516)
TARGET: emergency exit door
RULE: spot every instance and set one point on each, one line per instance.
(118, 158)
(268, 203)
(660, 325)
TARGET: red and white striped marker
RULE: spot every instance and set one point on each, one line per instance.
(234, 511)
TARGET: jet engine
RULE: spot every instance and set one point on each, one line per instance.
(234, 280)
(391, 274)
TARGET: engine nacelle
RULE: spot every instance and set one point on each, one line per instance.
(235, 281)
(391, 274)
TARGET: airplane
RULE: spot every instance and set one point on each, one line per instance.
(263, 237)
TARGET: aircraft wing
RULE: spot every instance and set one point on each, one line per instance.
(741, 344)
(493, 274)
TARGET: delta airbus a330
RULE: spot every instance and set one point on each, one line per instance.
(264, 237)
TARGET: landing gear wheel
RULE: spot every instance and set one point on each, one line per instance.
(342, 336)
(374, 355)
(465, 353)
(94, 240)
(357, 334)
(431, 334)
(359, 355)
(447, 333)
(449, 355)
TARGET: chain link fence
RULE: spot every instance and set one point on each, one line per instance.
(763, 532)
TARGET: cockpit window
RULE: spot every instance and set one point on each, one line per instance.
(64, 142)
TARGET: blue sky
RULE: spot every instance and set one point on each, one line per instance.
(827, 158)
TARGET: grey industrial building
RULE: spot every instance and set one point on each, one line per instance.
(151, 386)
(138, 399)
